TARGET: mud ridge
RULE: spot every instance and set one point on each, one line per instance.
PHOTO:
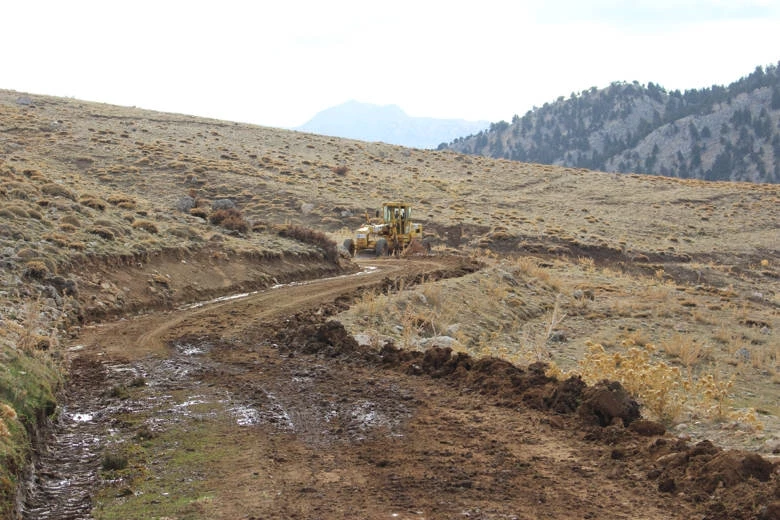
(723, 484)
(110, 289)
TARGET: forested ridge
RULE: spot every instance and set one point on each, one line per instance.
(715, 133)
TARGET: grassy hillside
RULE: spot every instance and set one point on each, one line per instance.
(99, 202)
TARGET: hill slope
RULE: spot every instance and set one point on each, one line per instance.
(388, 124)
(717, 133)
(107, 211)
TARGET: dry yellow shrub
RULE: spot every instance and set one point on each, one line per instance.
(7, 411)
(663, 390)
(660, 387)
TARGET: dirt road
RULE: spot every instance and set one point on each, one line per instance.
(258, 407)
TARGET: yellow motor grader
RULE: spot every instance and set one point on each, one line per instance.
(390, 232)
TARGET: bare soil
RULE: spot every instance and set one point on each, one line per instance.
(263, 407)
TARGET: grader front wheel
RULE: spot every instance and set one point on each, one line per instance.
(349, 245)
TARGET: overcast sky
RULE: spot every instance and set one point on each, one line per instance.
(279, 63)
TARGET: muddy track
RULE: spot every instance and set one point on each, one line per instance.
(259, 407)
(108, 357)
(150, 333)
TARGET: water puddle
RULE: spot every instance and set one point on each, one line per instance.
(82, 417)
(238, 296)
(105, 403)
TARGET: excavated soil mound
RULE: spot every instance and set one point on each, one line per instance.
(725, 483)
(729, 483)
(607, 401)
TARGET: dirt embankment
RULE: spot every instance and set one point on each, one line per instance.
(120, 286)
(621, 447)
(261, 407)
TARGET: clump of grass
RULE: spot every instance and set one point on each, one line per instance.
(688, 350)
(21, 191)
(102, 232)
(57, 239)
(259, 226)
(58, 190)
(36, 270)
(70, 220)
(4, 431)
(7, 411)
(16, 211)
(93, 202)
(146, 225)
(199, 212)
(659, 386)
(114, 461)
(230, 219)
(117, 199)
(118, 392)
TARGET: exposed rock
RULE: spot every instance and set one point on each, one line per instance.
(437, 341)
(223, 204)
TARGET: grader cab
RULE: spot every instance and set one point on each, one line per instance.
(390, 232)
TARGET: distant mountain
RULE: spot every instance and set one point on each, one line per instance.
(388, 124)
(715, 133)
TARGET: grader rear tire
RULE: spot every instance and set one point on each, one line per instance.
(381, 247)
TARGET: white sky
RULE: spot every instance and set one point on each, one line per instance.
(279, 63)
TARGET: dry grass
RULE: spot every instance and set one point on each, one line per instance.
(146, 225)
(665, 391)
(230, 219)
(688, 350)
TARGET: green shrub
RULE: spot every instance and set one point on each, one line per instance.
(114, 461)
